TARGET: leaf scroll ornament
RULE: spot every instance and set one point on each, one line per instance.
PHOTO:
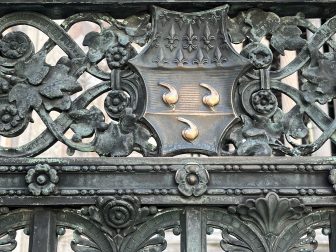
(255, 24)
(38, 83)
(320, 77)
(119, 35)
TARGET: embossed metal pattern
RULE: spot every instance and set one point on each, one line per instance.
(186, 90)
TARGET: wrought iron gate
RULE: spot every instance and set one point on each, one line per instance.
(174, 85)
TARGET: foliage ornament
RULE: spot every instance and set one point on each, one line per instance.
(118, 217)
(271, 215)
(171, 45)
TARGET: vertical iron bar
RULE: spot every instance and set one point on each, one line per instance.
(193, 235)
(332, 235)
(43, 237)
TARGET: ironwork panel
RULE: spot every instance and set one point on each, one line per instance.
(173, 84)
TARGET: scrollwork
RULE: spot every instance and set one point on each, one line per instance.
(180, 42)
(35, 85)
(264, 124)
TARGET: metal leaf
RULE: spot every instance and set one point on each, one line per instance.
(230, 243)
(287, 37)
(294, 123)
(83, 244)
(25, 97)
(7, 241)
(308, 243)
(156, 243)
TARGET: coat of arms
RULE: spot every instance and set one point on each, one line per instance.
(189, 70)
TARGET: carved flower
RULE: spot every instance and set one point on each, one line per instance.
(117, 57)
(10, 120)
(332, 178)
(264, 101)
(14, 45)
(4, 85)
(42, 179)
(132, 29)
(192, 179)
(116, 102)
(259, 55)
(119, 212)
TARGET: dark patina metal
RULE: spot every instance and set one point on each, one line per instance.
(186, 91)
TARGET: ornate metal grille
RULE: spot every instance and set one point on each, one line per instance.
(174, 84)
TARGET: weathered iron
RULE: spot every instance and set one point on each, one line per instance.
(186, 91)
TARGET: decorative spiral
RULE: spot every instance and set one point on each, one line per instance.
(119, 213)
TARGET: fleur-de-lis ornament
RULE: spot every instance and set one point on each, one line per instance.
(200, 59)
(164, 17)
(218, 57)
(207, 38)
(181, 19)
(180, 60)
(160, 58)
(189, 40)
(172, 39)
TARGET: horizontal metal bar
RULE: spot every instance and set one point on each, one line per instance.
(122, 8)
(81, 180)
(171, 160)
(157, 200)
